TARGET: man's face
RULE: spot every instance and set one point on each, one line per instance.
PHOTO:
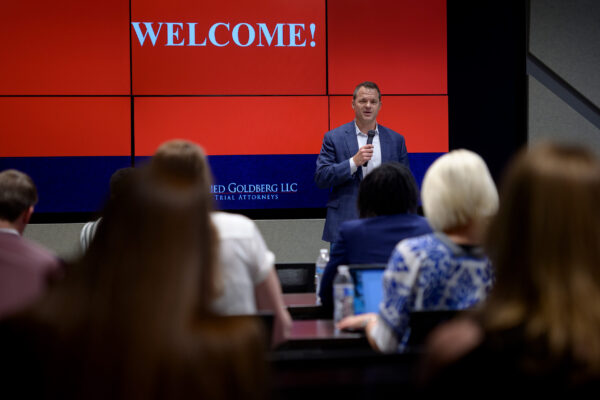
(366, 105)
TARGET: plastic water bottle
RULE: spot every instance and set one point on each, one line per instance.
(343, 294)
(320, 265)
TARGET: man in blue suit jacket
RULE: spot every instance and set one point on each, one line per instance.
(346, 156)
(387, 201)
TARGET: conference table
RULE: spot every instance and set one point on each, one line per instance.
(302, 306)
(318, 358)
(313, 330)
(299, 299)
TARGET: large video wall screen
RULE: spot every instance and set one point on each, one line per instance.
(87, 88)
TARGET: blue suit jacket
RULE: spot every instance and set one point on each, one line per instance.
(333, 171)
(369, 240)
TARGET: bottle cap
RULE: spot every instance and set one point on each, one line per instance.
(342, 268)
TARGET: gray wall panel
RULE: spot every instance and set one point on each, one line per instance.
(63, 239)
(565, 35)
(292, 241)
(552, 119)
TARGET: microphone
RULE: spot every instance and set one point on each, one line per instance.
(371, 135)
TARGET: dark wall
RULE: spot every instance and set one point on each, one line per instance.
(487, 81)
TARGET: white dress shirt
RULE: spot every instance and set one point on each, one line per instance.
(10, 230)
(375, 161)
(244, 263)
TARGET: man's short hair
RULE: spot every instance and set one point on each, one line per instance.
(457, 190)
(368, 85)
(17, 194)
(389, 189)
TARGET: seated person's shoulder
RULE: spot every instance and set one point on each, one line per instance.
(441, 368)
(452, 340)
(421, 220)
(352, 224)
(34, 253)
(229, 224)
(416, 243)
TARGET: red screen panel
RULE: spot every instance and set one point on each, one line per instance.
(63, 126)
(69, 47)
(399, 44)
(233, 125)
(184, 57)
(422, 120)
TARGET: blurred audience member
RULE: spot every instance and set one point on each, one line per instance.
(387, 203)
(120, 181)
(445, 270)
(24, 265)
(245, 264)
(131, 320)
(539, 331)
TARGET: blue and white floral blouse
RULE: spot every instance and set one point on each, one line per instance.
(428, 272)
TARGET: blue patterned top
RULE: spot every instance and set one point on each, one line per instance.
(430, 272)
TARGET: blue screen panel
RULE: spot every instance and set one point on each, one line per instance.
(68, 184)
(368, 290)
(80, 184)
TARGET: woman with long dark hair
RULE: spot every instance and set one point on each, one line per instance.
(248, 282)
(131, 319)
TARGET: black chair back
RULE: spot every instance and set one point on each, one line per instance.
(423, 322)
(297, 277)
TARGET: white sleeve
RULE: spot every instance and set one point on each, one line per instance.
(87, 234)
(262, 259)
(383, 335)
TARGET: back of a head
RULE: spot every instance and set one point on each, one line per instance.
(147, 276)
(17, 194)
(181, 161)
(457, 190)
(182, 165)
(545, 245)
(157, 231)
(120, 181)
(548, 225)
(389, 189)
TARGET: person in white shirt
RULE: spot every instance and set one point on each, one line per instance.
(248, 279)
(120, 181)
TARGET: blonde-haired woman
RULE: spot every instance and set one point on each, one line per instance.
(445, 270)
